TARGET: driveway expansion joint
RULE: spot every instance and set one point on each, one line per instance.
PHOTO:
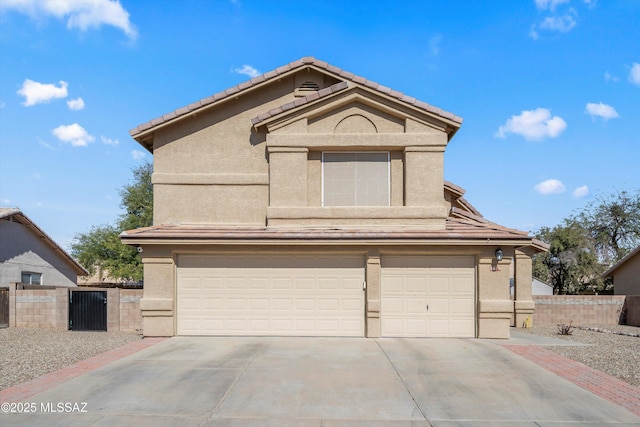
(228, 391)
(415, 402)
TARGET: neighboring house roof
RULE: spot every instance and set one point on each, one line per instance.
(140, 132)
(15, 215)
(622, 261)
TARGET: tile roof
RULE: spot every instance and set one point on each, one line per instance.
(16, 215)
(322, 93)
(285, 69)
(456, 229)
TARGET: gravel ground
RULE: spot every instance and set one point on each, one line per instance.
(613, 354)
(27, 353)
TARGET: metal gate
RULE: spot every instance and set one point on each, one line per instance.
(88, 310)
(4, 308)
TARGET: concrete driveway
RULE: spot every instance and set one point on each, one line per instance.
(321, 382)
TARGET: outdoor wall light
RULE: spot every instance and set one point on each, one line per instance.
(498, 255)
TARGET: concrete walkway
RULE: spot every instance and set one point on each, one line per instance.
(317, 382)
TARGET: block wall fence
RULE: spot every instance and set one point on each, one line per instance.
(49, 308)
(585, 310)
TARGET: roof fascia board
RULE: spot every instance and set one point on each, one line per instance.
(138, 240)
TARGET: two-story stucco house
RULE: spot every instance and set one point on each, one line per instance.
(310, 201)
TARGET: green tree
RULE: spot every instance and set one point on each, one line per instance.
(100, 249)
(587, 243)
(614, 224)
(571, 265)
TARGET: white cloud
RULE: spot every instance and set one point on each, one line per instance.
(563, 23)
(581, 192)
(36, 175)
(634, 74)
(434, 44)
(81, 14)
(38, 93)
(247, 70)
(601, 110)
(610, 77)
(109, 141)
(138, 155)
(76, 104)
(549, 4)
(5, 202)
(533, 125)
(73, 134)
(550, 186)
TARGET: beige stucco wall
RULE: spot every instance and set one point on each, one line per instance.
(626, 278)
(218, 155)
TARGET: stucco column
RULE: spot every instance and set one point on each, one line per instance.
(523, 304)
(494, 301)
(157, 304)
(373, 295)
(424, 180)
(288, 176)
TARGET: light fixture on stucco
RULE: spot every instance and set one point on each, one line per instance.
(498, 254)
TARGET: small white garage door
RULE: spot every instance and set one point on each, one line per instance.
(428, 296)
(270, 295)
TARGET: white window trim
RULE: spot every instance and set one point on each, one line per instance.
(351, 152)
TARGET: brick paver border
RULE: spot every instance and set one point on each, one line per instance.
(598, 383)
(20, 392)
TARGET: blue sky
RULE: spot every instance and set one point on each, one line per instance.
(549, 90)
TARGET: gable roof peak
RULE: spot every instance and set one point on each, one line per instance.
(141, 131)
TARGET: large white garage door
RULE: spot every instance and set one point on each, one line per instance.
(270, 295)
(428, 296)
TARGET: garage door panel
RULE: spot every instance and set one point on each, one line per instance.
(416, 306)
(353, 284)
(282, 283)
(415, 327)
(462, 306)
(415, 285)
(449, 293)
(258, 283)
(306, 283)
(438, 306)
(266, 295)
(259, 304)
(439, 285)
(305, 304)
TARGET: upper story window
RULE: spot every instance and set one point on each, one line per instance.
(355, 179)
(31, 278)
